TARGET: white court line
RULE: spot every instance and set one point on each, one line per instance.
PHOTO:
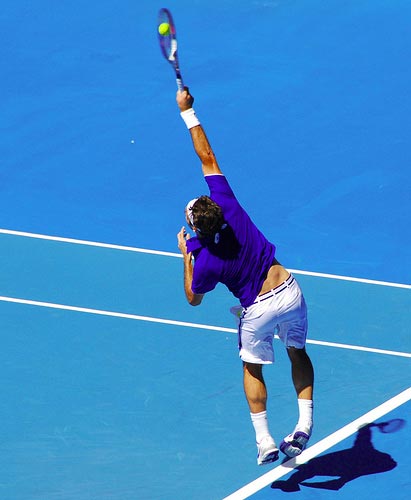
(348, 278)
(86, 243)
(318, 448)
(178, 255)
(359, 348)
(114, 314)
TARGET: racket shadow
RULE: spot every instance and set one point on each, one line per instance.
(346, 465)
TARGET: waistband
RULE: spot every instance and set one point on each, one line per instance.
(275, 291)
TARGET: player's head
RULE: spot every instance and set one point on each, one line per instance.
(204, 216)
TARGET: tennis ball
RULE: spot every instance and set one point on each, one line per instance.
(164, 29)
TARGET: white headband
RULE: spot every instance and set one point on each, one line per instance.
(189, 210)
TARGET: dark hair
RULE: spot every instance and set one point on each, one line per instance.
(208, 217)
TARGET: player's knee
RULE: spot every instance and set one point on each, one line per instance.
(297, 355)
(253, 369)
(294, 352)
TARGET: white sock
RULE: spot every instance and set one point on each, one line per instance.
(260, 424)
(305, 421)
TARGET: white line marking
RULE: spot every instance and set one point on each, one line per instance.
(172, 254)
(348, 278)
(318, 448)
(112, 314)
(137, 317)
(86, 243)
(359, 348)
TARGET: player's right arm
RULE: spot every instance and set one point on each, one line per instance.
(200, 142)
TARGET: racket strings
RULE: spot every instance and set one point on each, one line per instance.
(168, 42)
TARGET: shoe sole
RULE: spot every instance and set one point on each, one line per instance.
(270, 458)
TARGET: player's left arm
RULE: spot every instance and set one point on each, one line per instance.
(194, 299)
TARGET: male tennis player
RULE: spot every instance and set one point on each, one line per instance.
(228, 248)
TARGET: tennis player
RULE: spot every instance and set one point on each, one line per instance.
(228, 248)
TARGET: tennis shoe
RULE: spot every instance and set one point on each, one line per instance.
(267, 451)
(295, 443)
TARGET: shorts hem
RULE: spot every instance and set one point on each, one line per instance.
(255, 361)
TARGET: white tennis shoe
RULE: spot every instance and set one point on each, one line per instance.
(295, 443)
(267, 451)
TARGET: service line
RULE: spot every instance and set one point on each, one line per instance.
(178, 255)
(187, 324)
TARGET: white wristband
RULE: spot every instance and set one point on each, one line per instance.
(190, 118)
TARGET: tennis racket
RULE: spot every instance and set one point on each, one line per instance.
(168, 43)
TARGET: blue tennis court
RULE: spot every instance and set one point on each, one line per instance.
(113, 387)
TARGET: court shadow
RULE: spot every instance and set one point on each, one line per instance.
(345, 465)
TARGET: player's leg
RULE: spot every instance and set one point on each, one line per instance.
(254, 387)
(256, 331)
(292, 330)
(256, 394)
(302, 373)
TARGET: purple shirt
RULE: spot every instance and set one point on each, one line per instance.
(241, 258)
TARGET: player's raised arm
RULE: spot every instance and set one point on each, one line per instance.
(200, 142)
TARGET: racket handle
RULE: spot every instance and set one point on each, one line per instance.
(179, 79)
(180, 84)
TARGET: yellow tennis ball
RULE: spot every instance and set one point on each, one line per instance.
(164, 29)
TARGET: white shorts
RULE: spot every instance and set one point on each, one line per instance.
(281, 311)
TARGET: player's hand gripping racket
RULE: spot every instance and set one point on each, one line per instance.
(168, 42)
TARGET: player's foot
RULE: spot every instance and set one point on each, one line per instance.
(295, 443)
(267, 451)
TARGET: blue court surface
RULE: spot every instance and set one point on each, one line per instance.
(113, 387)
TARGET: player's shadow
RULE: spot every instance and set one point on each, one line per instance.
(345, 465)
